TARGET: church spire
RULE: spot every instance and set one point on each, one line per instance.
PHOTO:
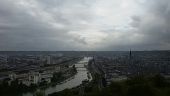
(130, 54)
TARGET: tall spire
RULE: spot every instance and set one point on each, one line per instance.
(130, 63)
(130, 54)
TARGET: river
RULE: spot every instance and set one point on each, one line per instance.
(74, 81)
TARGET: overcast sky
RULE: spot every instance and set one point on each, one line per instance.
(106, 25)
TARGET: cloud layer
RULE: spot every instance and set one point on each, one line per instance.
(52, 25)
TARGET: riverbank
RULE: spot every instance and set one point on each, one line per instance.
(74, 81)
(155, 85)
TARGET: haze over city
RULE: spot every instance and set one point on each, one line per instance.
(84, 25)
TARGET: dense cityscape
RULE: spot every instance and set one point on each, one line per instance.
(48, 72)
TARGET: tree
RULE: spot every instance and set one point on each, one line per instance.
(140, 90)
(159, 81)
(39, 93)
(57, 76)
(74, 68)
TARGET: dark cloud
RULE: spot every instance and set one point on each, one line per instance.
(84, 25)
(152, 29)
(157, 28)
(136, 21)
(21, 31)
